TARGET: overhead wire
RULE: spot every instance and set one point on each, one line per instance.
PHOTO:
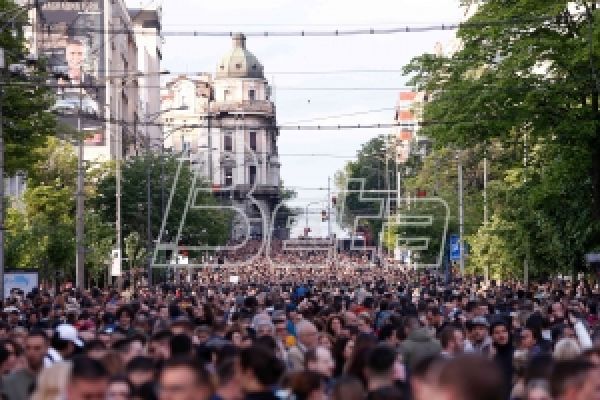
(329, 33)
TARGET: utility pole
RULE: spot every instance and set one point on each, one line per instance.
(526, 262)
(2, 66)
(461, 217)
(79, 220)
(329, 207)
(148, 208)
(485, 207)
(210, 155)
(118, 179)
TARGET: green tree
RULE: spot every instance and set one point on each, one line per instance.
(366, 172)
(26, 101)
(212, 227)
(529, 87)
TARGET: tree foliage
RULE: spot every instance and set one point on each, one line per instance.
(26, 100)
(212, 225)
(528, 89)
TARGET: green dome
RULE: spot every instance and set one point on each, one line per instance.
(239, 62)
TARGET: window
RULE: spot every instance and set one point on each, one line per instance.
(253, 141)
(226, 94)
(228, 142)
(252, 173)
(238, 66)
(228, 176)
(252, 94)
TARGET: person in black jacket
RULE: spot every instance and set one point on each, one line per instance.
(260, 372)
(503, 350)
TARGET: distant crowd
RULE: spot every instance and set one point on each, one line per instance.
(340, 331)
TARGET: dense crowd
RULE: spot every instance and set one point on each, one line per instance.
(340, 333)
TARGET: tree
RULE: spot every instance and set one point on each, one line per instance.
(41, 233)
(367, 172)
(210, 226)
(26, 120)
(528, 86)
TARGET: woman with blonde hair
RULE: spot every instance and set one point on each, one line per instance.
(52, 382)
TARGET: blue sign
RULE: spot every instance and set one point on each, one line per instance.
(454, 247)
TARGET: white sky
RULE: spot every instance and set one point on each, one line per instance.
(193, 54)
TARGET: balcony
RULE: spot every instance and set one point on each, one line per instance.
(246, 107)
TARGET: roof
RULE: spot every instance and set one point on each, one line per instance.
(239, 62)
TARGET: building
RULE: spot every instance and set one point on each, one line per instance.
(184, 103)
(97, 44)
(147, 26)
(409, 115)
(234, 133)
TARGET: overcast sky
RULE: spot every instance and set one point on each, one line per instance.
(193, 54)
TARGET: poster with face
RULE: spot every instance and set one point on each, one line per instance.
(70, 39)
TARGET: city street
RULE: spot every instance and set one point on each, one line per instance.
(283, 200)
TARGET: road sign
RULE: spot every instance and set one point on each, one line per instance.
(454, 248)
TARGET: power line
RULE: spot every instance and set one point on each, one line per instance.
(341, 115)
(324, 33)
(330, 127)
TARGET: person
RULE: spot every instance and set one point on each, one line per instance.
(538, 390)
(184, 379)
(158, 345)
(470, 377)
(321, 361)
(479, 340)
(140, 371)
(88, 380)
(19, 385)
(502, 351)
(307, 335)
(307, 385)
(228, 381)
(260, 369)
(64, 344)
(119, 388)
(419, 344)
(380, 369)
(452, 340)
(125, 317)
(52, 382)
(348, 388)
(575, 380)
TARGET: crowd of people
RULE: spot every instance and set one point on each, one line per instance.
(339, 333)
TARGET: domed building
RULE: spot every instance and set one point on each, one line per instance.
(240, 142)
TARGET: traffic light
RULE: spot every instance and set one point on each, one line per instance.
(334, 201)
(323, 215)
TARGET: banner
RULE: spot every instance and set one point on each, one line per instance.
(26, 281)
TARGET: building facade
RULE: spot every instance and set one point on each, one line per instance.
(147, 26)
(234, 133)
(97, 43)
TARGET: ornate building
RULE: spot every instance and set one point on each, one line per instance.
(236, 144)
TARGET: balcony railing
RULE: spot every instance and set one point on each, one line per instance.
(256, 106)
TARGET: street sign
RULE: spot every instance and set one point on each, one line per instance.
(115, 269)
(454, 247)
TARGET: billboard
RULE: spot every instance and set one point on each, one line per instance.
(70, 38)
(26, 281)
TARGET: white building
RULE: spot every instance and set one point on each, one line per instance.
(107, 62)
(234, 133)
(147, 25)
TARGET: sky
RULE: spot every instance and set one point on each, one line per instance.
(293, 54)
